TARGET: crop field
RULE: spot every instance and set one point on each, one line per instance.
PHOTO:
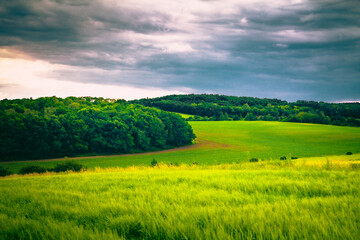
(235, 142)
(310, 198)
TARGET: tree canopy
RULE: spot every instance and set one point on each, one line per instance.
(52, 127)
(219, 107)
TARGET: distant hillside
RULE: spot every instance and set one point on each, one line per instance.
(54, 127)
(221, 107)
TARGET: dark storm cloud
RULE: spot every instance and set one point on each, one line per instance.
(308, 50)
(29, 21)
(59, 30)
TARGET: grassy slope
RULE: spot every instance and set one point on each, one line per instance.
(313, 198)
(184, 115)
(237, 141)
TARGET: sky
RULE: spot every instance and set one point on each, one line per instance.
(130, 49)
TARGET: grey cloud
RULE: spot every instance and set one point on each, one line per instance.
(40, 27)
(230, 56)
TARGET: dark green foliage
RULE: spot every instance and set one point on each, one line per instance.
(53, 127)
(60, 167)
(32, 169)
(154, 162)
(68, 166)
(283, 158)
(254, 160)
(174, 164)
(214, 107)
(294, 157)
(349, 153)
(4, 172)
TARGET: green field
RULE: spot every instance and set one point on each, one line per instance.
(224, 196)
(238, 141)
(300, 199)
(184, 115)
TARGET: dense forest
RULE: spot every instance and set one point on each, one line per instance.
(219, 107)
(52, 127)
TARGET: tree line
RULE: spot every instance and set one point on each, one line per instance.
(51, 127)
(215, 107)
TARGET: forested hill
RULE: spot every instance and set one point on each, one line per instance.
(54, 127)
(220, 107)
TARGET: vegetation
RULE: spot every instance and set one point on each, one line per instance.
(291, 199)
(154, 163)
(235, 141)
(60, 167)
(68, 166)
(242, 180)
(230, 185)
(4, 172)
(53, 127)
(220, 107)
(32, 169)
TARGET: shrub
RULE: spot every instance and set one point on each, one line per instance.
(32, 169)
(254, 160)
(294, 157)
(283, 158)
(349, 153)
(154, 162)
(195, 163)
(4, 172)
(68, 166)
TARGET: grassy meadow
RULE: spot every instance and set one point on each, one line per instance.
(235, 142)
(223, 196)
(310, 198)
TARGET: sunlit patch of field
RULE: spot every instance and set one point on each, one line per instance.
(308, 198)
(184, 115)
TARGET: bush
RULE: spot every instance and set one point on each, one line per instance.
(32, 169)
(349, 153)
(68, 166)
(294, 157)
(154, 162)
(4, 172)
(283, 158)
(254, 160)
